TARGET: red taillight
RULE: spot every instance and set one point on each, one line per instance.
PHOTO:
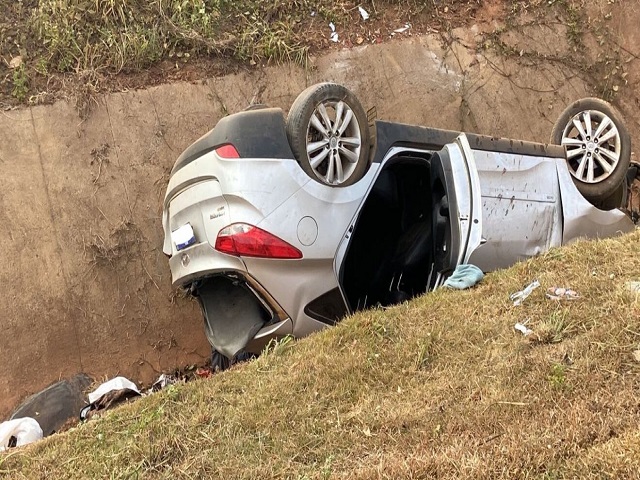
(246, 240)
(227, 151)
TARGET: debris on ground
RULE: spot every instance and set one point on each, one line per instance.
(520, 296)
(633, 287)
(464, 276)
(117, 383)
(109, 394)
(18, 432)
(203, 372)
(363, 13)
(56, 404)
(560, 293)
(16, 62)
(334, 34)
(164, 381)
(522, 328)
(406, 27)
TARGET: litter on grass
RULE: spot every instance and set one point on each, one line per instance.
(117, 383)
(334, 34)
(18, 432)
(464, 276)
(363, 13)
(633, 287)
(522, 328)
(109, 394)
(520, 296)
(560, 293)
(163, 381)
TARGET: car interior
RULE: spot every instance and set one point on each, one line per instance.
(402, 235)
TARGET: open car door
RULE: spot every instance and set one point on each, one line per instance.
(420, 219)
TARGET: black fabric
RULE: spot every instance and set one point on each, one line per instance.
(56, 404)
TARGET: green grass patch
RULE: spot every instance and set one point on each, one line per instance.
(64, 39)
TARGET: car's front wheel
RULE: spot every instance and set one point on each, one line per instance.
(597, 146)
(329, 135)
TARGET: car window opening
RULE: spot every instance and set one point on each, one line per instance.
(402, 234)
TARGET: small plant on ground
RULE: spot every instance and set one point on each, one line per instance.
(558, 377)
(20, 83)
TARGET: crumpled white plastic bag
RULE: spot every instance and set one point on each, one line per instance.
(118, 383)
(25, 430)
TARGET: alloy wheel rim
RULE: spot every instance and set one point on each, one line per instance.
(593, 146)
(333, 142)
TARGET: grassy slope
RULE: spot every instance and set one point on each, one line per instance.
(441, 387)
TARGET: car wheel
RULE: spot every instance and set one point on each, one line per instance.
(597, 146)
(617, 199)
(329, 135)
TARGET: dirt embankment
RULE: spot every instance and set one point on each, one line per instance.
(86, 286)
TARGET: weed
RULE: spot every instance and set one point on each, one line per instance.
(426, 352)
(558, 377)
(277, 347)
(20, 83)
(554, 329)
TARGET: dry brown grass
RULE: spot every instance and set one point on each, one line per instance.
(442, 387)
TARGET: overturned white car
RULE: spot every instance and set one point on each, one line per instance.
(284, 227)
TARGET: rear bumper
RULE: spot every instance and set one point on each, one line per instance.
(200, 261)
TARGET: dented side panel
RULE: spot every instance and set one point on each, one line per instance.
(521, 210)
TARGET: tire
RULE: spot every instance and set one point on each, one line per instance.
(329, 135)
(618, 199)
(597, 146)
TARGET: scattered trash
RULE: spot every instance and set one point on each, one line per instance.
(54, 406)
(363, 13)
(636, 355)
(203, 372)
(163, 381)
(406, 27)
(559, 293)
(18, 432)
(109, 394)
(464, 276)
(334, 34)
(117, 383)
(522, 328)
(16, 62)
(520, 296)
(633, 287)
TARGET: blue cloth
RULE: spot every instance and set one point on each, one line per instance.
(464, 276)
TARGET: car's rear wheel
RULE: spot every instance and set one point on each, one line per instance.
(597, 145)
(329, 135)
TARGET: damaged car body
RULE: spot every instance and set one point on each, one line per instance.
(284, 227)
